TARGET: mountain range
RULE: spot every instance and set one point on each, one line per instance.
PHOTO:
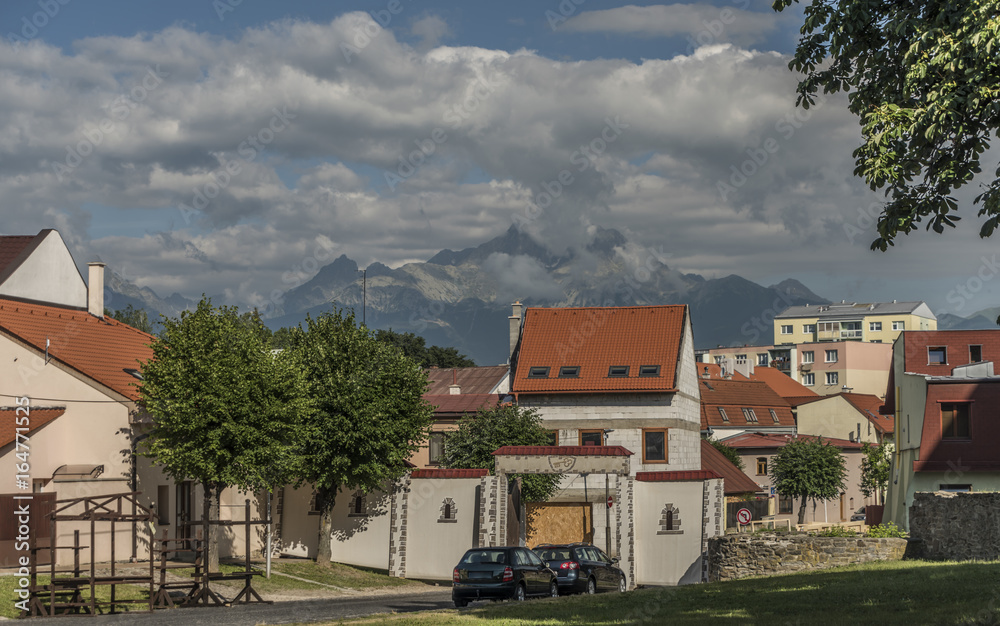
(462, 298)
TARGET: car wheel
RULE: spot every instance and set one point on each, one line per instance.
(519, 593)
(461, 604)
(622, 585)
(554, 589)
(591, 587)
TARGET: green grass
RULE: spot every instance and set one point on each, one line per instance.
(901, 592)
(9, 585)
(337, 575)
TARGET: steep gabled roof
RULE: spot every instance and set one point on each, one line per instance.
(38, 416)
(595, 339)
(13, 250)
(733, 396)
(868, 405)
(101, 349)
(735, 481)
(776, 440)
(856, 310)
(482, 379)
(782, 384)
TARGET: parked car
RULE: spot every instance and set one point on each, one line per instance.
(500, 573)
(859, 516)
(582, 568)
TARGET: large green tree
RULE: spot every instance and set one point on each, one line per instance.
(414, 346)
(225, 412)
(875, 470)
(923, 76)
(480, 434)
(370, 417)
(808, 469)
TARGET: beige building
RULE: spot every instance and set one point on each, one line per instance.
(875, 322)
(851, 416)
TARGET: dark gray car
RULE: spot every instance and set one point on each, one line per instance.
(582, 568)
(501, 572)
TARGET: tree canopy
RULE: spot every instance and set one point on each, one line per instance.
(875, 470)
(414, 346)
(730, 453)
(136, 318)
(923, 76)
(370, 414)
(808, 469)
(480, 434)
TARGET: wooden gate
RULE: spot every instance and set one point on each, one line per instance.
(559, 522)
(40, 506)
(758, 509)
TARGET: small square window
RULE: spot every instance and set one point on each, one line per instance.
(538, 372)
(809, 328)
(654, 446)
(553, 438)
(832, 378)
(762, 466)
(763, 358)
(808, 356)
(569, 371)
(831, 356)
(937, 356)
(650, 370)
(741, 359)
(975, 354)
(874, 326)
(955, 420)
(899, 325)
(809, 379)
(722, 412)
(618, 371)
(786, 329)
(591, 437)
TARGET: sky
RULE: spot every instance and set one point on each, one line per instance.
(232, 147)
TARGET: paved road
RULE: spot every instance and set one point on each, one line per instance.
(277, 613)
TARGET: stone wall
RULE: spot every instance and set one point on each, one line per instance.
(742, 555)
(956, 526)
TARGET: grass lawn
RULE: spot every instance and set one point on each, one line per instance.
(9, 585)
(900, 592)
(337, 575)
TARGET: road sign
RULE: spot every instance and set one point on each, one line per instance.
(611, 501)
(743, 516)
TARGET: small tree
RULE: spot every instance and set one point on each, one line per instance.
(875, 470)
(225, 411)
(136, 318)
(370, 418)
(808, 469)
(479, 435)
(730, 453)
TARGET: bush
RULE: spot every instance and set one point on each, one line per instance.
(837, 531)
(884, 531)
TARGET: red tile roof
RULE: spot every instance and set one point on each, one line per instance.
(675, 476)
(564, 451)
(101, 349)
(462, 403)
(782, 384)
(595, 338)
(794, 401)
(735, 480)
(774, 440)
(714, 371)
(733, 396)
(469, 379)
(449, 473)
(868, 405)
(37, 416)
(11, 249)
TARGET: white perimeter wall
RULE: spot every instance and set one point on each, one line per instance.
(675, 558)
(434, 546)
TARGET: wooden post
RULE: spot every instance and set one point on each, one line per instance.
(246, 518)
(52, 565)
(93, 572)
(113, 585)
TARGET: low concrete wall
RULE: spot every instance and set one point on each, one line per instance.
(956, 526)
(739, 556)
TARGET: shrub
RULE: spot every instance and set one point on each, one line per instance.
(837, 531)
(886, 530)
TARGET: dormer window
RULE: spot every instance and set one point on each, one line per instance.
(649, 370)
(538, 372)
(618, 371)
(569, 371)
(722, 413)
(750, 415)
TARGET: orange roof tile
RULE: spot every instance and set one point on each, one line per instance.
(37, 417)
(714, 371)
(783, 384)
(480, 379)
(595, 338)
(675, 476)
(735, 481)
(733, 396)
(449, 473)
(564, 450)
(101, 349)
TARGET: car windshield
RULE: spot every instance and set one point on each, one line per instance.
(473, 557)
(556, 554)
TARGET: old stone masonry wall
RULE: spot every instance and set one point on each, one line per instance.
(957, 526)
(740, 556)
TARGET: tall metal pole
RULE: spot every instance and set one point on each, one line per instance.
(364, 297)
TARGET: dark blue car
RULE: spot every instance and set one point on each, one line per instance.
(582, 568)
(499, 573)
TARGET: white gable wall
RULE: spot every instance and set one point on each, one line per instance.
(49, 274)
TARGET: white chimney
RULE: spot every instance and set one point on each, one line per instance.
(95, 290)
(515, 326)
(453, 388)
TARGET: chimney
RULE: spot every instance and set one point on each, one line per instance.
(705, 373)
(453, 388)
(95, 290)
(515, 326)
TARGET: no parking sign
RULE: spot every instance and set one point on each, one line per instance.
(743, 516)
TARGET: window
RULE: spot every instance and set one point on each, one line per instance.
(832, 378)
(163, 505)
(538, 372)
(784, 505)
(829, 327)
(762, 466)
(762, 359)
(718, 360)
(899, 325)
(874, 326)
(774, 416)
(937, 356)
(314, 504)
(619, 371)
(591, 437)
(553, 438)
(786, 329)
(809, 379)
(569, 371)
(359, 507)
(750, 415)
(809, 328)
(649, 370)
(831, 356)
(741, 359)
(975, 354)
(449, 512)
(955, 420)
(962, 488)
(670, 521)
(808, 356)
(654, 445)
(722, 412)
(435, 448)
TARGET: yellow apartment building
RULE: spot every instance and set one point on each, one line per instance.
(872, 322)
